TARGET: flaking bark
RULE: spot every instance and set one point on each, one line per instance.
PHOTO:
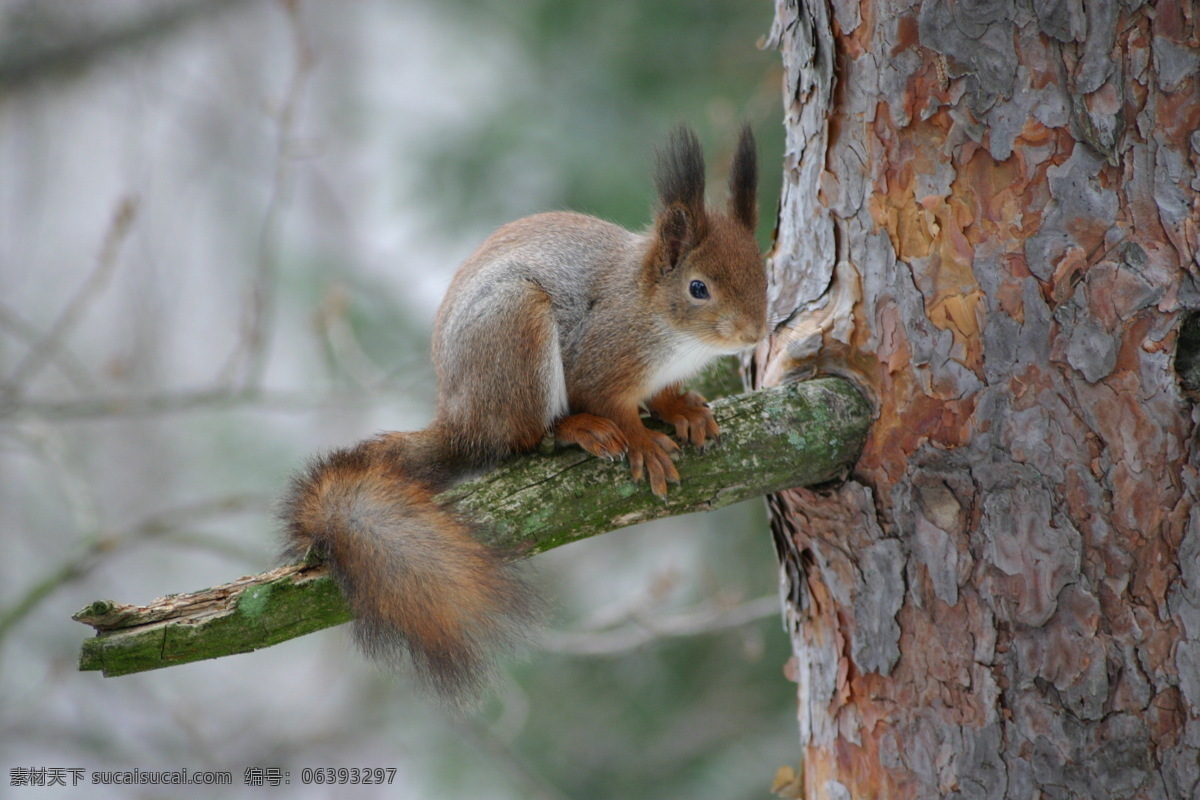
(991, 219)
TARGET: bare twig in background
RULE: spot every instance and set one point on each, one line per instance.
(72, 368)
(48, 443)
(42, 48)
(251, 354)
(484, 736)
(43, 351)
(221, 399)
(98, 544)
(342, 347)
(644, 629)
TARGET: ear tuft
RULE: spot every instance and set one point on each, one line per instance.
(743, 182)
(680, 174)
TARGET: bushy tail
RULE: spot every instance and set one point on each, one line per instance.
(417, 578)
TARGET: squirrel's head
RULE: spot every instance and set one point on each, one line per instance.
(704, 269)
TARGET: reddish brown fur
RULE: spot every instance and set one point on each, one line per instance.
(557, 322)
(438, 592)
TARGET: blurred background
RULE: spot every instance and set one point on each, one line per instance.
(225, 226)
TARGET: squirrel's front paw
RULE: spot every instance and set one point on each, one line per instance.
(650, 451)
(688, 412)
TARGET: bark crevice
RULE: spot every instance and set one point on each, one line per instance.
(1014, 195)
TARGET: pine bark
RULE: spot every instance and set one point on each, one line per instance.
(990, 221)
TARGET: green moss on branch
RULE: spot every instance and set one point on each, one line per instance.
(794, 435)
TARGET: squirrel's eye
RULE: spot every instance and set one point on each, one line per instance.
(698, 290)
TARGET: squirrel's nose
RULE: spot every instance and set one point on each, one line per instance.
(754, 332)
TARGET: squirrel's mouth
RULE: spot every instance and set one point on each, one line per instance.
(735, 338)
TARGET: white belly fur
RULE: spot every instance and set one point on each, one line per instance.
(690, 356)
(555, 380)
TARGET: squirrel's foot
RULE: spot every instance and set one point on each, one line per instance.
(599, 436)
(650, 452)
(688, 412)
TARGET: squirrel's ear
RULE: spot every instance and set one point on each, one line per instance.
(743, 182)
(676, 235)
(682, 223)
(680, 174)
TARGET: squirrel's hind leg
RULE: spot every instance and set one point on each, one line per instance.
(502, 386)
(599, 436)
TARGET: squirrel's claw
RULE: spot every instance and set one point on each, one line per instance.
(651, 455)
(599, 436)
(688, 413)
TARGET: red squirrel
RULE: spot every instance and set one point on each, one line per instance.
(562, 323)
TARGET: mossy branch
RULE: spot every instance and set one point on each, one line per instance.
(796, 435)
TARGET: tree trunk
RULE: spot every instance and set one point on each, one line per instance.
(990, 220)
